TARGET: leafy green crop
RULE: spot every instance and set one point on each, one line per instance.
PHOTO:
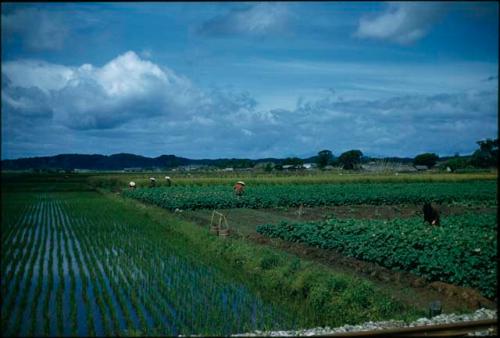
(462, 251)
(268, 196)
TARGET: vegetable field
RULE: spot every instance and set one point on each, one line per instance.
(271, 196)
(462, 251)
(75, 264)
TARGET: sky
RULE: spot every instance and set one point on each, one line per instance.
(248, 79)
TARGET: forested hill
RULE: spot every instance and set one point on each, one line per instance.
(121, 161)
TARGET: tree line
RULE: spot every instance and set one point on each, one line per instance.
(484, 157)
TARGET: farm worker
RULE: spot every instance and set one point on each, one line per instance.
(169, 181)
(152, 181)
(132, 185)
(239, 188)
(431, 214)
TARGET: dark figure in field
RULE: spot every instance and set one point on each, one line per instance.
(152, 182)
(431, 214)
(239, 188)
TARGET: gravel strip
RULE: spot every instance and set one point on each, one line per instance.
(480, 314)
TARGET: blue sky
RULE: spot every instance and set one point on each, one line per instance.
(248, 80)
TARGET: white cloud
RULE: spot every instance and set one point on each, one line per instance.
(402, 22)
(84, 97)
(258, 20)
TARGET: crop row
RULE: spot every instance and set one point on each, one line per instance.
(78, 266)
(268, 196)
(120, 181)
(462, 251)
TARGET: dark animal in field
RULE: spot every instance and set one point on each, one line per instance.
(431, 214)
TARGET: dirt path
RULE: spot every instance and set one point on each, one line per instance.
(404, 286)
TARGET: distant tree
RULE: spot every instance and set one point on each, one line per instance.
(457, 163)
(293, 161)
(325, 157)
(487, 154)
(428, 159)
(268, 167)
(351, 159)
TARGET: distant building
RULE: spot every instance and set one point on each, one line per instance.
(134, 169)
(309, 165)
(82, 170)
(228, 169)
(421, 167)
(292, 167)
(191, 167)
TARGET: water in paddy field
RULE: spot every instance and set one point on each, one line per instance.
(76, 269)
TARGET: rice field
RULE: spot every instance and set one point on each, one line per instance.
(73, 265)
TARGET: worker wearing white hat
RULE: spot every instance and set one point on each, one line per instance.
(169, 181)
(152, 181)
(132, 185)
(239, 188)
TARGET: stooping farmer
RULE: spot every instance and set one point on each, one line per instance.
(132, 185)
(169, 181)
(431, 214)
(239, 188)
(152, 181)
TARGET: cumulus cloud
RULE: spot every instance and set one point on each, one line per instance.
(402, 22)
(39, 29)
(257, 20)
(89, 97)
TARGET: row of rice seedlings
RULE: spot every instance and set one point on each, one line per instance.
(24, 282)
(11, 217)
(162, 303)
(49, 276)
(15, 281)
(77, 307)
(93, 323)
(100, 247)
(96, 287)
(60, 311)
(51, 325)
(17, 247)
(71, 327)
(39, 284)
(155, 284)
(122, 309)
(161, 322)
(13, 232)
(110, 298)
